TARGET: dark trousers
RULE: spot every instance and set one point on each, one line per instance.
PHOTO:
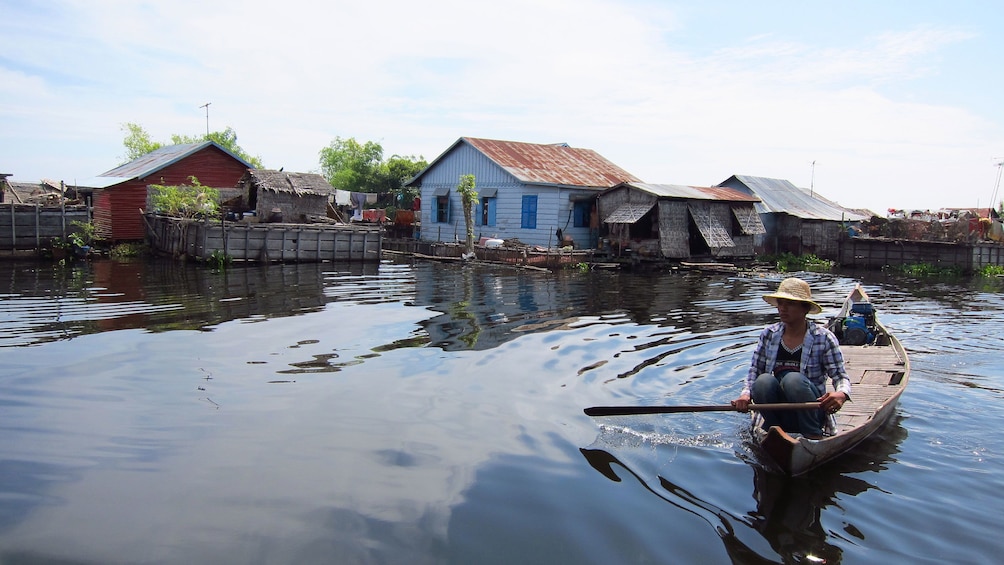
(792, 387)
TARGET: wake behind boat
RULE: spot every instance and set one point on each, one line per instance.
(878, 369)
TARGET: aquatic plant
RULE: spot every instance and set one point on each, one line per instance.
(787, 262)
(219, 260)
(924, 270)
(991, 271)
(124, 250)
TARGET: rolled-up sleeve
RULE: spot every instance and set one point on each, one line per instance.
(833, 364)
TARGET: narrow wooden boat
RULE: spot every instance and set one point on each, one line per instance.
(879, 371)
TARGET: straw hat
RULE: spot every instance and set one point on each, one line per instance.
(794, 289)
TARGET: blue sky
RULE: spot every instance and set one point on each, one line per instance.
(897, 103)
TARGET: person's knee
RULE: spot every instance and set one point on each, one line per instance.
(765, 386)
(791, 381)
(797, 388)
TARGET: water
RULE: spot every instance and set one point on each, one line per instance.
(427, 413)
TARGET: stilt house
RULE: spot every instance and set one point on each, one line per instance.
(797, 221)
(678, 222)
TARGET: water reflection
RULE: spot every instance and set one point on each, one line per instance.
(789, 511)
(45, 302)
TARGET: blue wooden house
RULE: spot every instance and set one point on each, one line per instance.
(540, 194)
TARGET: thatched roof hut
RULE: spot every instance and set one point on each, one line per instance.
(294, 197)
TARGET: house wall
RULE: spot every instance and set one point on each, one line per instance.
(801, 237)
(822, 238)
(553, 205)
(117, 214)
(674, 229)
(722, 211)
(295, 208)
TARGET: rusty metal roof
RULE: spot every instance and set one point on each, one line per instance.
(296, 183)
(157, 159)
(722, 193)
(554, 164)
(779, 195)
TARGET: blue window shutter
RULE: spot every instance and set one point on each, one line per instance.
(491, 211)
(529, 212)
(477, 214)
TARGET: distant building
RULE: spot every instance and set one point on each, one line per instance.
(527, 191)
(120, 194)
(796, 221)
(678, 222)
(44, 192)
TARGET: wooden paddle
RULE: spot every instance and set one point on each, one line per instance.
(638, 410)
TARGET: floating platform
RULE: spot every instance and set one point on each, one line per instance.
(262, 242)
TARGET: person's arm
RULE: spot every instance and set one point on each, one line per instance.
(758, 364)
(833, 364)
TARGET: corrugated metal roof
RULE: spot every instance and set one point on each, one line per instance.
(693, 192)
(297, 183)
(160, 158)
(100, 182)
(778, 195)
(551, 164)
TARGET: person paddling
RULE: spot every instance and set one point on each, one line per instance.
(791, 361)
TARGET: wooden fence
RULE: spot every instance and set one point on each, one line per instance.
(33, 226)
(242, 241)
(876, 253)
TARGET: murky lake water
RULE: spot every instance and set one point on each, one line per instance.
(427, 413)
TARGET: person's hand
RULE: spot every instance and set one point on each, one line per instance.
(832, 401)
(742, 403)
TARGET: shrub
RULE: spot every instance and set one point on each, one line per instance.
(186, 201)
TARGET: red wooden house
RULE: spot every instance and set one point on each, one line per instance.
(120, 193)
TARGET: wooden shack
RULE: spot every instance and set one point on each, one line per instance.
(796, 220)
(286, 196)
(678, 222)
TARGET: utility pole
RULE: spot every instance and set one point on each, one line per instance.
(206, 106)
(811, 180)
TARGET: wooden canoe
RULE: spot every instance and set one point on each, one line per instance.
(879, 371)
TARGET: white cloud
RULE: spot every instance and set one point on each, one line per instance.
(290, 77)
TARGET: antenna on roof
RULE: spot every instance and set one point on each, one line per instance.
(812, 179)
(999, 163)
(206, 106)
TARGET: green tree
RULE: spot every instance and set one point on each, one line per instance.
(360, 167)
(468, 196)
(226, 139)
(138, 143)
(352, 166)
(399, 170)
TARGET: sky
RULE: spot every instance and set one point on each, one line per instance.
(872, 104)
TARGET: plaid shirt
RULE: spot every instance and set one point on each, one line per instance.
(821, 357)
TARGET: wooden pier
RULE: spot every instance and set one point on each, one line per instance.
(262, 242)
